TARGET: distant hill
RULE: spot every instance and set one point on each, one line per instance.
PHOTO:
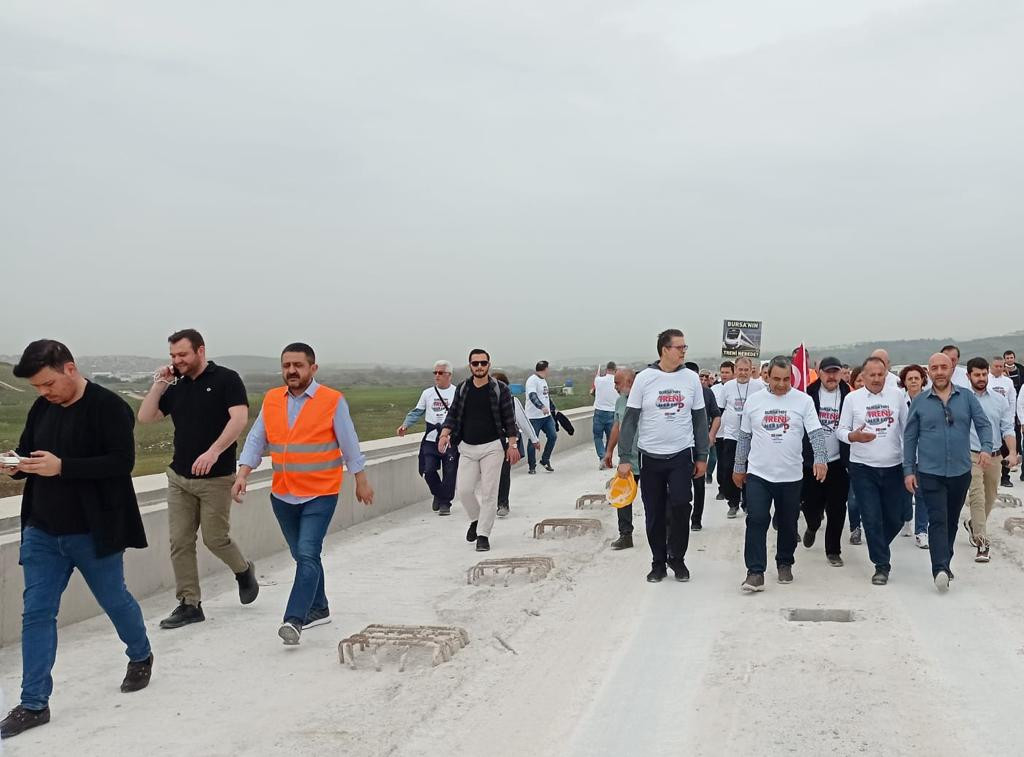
(904, 351)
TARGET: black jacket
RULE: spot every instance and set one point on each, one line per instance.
(503, 410)
(844, 449)
(100, 464)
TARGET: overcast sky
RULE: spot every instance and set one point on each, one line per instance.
(398, 181)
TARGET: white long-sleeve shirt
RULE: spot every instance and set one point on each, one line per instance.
(883, 414)
(1004, 385)
(1020, 407)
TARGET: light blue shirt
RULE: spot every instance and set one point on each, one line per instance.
(256, 442)
(938, 435)
(998, 411)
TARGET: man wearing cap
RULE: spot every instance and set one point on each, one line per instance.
(827, 499)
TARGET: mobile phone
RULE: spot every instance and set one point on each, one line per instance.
(175, 372)
(10, 460)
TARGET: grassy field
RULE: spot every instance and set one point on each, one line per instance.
(376, 410)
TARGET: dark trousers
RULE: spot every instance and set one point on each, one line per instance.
(944, 497)
(545, 425)
(505, 482)
(431, 461)
(726, 462)
(699, 486)
(760, 496)
(882, 498)
(665, 487)
(827, 500)
(625, 516)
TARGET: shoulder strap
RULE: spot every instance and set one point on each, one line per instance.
(438, 393)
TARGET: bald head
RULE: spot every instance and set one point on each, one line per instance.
(624, 380)
(882, 355)
(940, 368)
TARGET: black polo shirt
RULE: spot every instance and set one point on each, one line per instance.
(199, 409)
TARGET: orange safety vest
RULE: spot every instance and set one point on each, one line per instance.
(306, 457)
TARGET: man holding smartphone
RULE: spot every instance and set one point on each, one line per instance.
(209, 407)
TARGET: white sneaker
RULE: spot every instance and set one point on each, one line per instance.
(908, 529)
(942, 582)
(922, 540)
(289, 634)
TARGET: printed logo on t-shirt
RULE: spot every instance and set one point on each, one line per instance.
(738, 403)
(1000, 389)
(829, 418)
(671, 401)
(776, 422)
(879, 417)
(438, 407)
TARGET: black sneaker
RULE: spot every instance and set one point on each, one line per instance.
(471, 533)
(733, 511)
(625, 541)
(753, 582)
(547, 467)
(445, 508)
(856, 536)
(720, 497)
(318, 617)
(137, 677)
(809, 538)
(658, 572)
(696, 527)
(502, 511)
(835, 561)
(970, 532)
(785, 574)
(881, 577)
(21, 719)
(248, 587)
(681, 571)
(183, 615)
(1006, 482)
(483, 544)
(436, 506)
(532, 471)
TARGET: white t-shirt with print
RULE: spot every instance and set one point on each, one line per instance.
(536, 385)
(434, 410)
(732, 399)
(1004, 385)
(777, 426)
(665, 401)
(828, 415)
(883, 414)
(604, 393)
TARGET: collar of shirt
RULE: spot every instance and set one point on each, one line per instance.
(310, 391)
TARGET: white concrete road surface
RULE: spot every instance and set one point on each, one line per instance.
(602, 663)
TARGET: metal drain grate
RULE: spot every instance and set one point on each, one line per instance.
(819, 616)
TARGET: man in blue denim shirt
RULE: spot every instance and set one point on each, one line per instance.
(938, 437)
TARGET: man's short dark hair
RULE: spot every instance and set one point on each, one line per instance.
(846, 366)
(977, 364)
(666, 337)
(43, 353)
(303, 348)
(1009, 352)
(780, 361)
(479, 351)
(611, 366)
(193, 336)
(542, 365)
(692, 366)
(952, 347)
(727, 364)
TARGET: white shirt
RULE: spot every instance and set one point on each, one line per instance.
(828, 417)
(892, 381)
(433, 409)
(960, 377)
(536, 385)
(604, 393)
(732, 398)
(883, 414)
(665, 401)
(716, 389)
(777, 426)
(1020, 407)
(1004, 385)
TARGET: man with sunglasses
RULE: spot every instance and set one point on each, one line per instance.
(433, 408)
(938, 437)
(482, 423)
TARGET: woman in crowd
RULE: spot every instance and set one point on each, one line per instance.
(912, 380)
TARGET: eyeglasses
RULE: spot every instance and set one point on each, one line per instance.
(680, 347)
(948, 413)
(440, 373)
(479, 363)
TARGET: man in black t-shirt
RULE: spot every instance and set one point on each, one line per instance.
(209, 408)
(78, 512)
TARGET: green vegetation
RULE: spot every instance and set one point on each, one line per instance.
(376, 410)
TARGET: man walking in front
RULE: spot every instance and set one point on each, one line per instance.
(985, 480)
(433, 408)
(605, 397)
(209, 408)
(872, 422)
(938, 438)
(78, 510)
(732, 398)
(666, 422)
(538, 410)
(826, 500)
(772, 433)
(482, 422)
(307, 428)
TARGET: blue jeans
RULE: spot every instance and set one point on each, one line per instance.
(944, 498)
(546, 425)
(853, 508)
(48, 562)
(882, 499)
(920, 514)
(761, 495)
(304, 527)
(603, 422)
(712, 462)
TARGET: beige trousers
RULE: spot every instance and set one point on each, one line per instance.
(981, 497)
(477, 482)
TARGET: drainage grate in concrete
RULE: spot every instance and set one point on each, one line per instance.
(819, 616)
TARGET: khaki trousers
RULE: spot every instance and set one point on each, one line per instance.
(982, 495)
(480, 467)
(194, 503)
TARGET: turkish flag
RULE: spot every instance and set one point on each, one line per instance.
(801, 369)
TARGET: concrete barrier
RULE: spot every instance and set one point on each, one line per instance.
(392, 469)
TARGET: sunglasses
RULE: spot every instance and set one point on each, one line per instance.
(480, 363)
(440, 373)
(948, 413)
